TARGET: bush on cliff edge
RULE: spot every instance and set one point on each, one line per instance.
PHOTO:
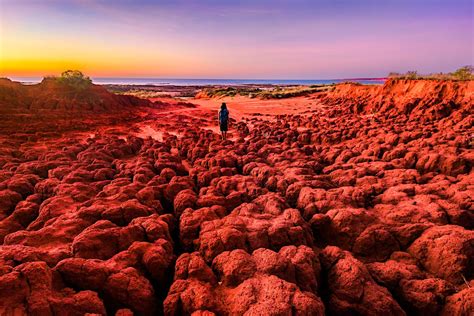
(75, 79)
(463, 73)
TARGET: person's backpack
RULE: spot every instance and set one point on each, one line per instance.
(223, 115)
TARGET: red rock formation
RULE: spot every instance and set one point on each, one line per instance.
(418, 99)
(358, 201)
(50, 95)
(351, 287)
(262, 283)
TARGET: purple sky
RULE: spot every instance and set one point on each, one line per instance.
(297, 39)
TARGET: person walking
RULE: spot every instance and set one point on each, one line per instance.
(223, 118)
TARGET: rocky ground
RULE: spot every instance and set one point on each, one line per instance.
(353, 202)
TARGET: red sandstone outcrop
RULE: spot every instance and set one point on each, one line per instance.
(418, 99)
(351, 287)
(50, 95)
(261, 283)
(359, 204)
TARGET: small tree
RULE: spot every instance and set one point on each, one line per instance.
(411, 75)
(394, 75)
(464, 73)
(75, 79)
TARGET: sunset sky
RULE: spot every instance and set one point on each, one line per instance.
(292, 39)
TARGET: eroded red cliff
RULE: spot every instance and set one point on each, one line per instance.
(51, 95)
(418, 99)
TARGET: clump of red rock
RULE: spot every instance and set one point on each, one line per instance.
(362, 206)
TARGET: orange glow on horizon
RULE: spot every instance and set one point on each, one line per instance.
(96, 64)
(52, 55)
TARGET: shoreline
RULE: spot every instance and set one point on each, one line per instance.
(208, 82)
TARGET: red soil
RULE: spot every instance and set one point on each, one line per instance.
(418, 99)
(51, 96)
(354, 202)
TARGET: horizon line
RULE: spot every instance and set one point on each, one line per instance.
(204, 78)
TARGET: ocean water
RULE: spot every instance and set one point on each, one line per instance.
(207, 82)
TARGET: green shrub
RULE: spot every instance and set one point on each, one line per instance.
(230, 91)
(275, 92)
(412, 75)
(394, 75)
(75, 79)
(293, 91)
(463, 73)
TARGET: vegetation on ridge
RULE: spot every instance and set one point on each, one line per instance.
(74, 79)
(463, 73)
(265, 93)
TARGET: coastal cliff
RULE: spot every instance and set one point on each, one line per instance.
(426, 99)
